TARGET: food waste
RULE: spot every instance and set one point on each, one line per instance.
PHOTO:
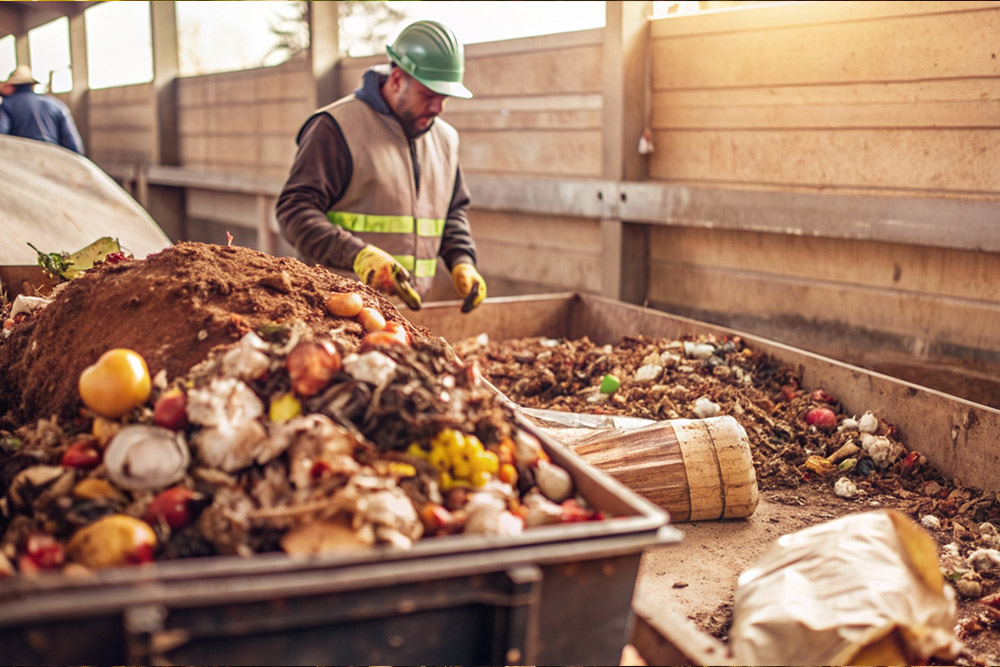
(807, 448)
(215, 400)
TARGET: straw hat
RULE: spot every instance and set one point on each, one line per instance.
(21, 74)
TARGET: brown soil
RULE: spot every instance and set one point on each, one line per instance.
(698, 576)
(173, 314)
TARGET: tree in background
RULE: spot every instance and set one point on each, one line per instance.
(365, 28)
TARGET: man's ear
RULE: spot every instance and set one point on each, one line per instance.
(396, 76)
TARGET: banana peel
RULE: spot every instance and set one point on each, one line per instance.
(470, 299)
(401, 280)
(61, 265)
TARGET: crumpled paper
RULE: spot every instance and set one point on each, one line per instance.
(862, 589)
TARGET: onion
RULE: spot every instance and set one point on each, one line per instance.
(344, 304)
(822, 418)
(146, 457)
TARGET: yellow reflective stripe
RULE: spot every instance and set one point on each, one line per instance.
(405, 260)
(429, 227)
(425, 268)
(379, 224)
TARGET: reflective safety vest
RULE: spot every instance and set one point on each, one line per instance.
(381, 204)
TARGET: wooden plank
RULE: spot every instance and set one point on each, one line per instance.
(537, 231)
(795, 108)
(946, 272)
(282, 117)
(511, 119)
(190, 92)
(575, 198)
(970, 89)
(233, 119)
(277, 152)
(948, 223)
(571, 70)
(907, 160)
(289, 81)
(548, 266)
(891, 49)
(526, 103)
(125, 116)
(118, 140)
(507, 317)
(818, 310)
(768, 16)
(226, 182)
(574, 153)
(192, 121)
(223, 207)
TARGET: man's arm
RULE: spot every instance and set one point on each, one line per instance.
(318, 178)
(457, 244)
(69, 136)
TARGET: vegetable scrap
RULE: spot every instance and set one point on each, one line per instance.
(807, 449)
(317, 421)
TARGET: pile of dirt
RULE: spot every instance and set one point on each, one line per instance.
(270, 423)
(828, 469)
(174, 308)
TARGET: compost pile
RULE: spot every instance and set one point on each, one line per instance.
(806, 449)
(217, 400)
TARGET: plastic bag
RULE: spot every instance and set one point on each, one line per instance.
(862, 589)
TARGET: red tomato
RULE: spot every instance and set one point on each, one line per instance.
(83, 454)
(172, 507)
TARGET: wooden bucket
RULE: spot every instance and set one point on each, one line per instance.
(696, 469)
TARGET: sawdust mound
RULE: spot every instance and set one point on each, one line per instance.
(174, 308)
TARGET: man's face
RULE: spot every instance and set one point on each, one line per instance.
(417, 106)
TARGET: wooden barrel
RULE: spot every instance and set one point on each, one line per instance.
(696, 469)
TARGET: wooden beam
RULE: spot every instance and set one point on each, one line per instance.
(624, 88)
(11, 19)
(324, 50)
(583, 198)
(81, 79)
(946, 223)
(166, 67)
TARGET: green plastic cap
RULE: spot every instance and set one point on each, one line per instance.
(431, 54)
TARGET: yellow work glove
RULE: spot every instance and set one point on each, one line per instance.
(469, 284)
(379, 270)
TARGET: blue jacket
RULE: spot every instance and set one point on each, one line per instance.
(41, 117)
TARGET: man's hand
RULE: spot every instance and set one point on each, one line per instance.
(378, 269)
(469, 284)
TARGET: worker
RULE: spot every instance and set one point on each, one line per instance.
(376, 187)
(43, 117)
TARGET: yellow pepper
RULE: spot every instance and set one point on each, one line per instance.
(284, 408)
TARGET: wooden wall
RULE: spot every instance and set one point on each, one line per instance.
(243, 122)
(866, 107)
(120, 122)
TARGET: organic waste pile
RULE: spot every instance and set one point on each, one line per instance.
(806, 449)
(216, 400)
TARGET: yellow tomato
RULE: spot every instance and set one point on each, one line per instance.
(114, 540)
(116, 383)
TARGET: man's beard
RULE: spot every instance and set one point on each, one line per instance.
(409, 123)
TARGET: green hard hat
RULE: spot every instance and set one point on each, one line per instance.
(431, 54)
